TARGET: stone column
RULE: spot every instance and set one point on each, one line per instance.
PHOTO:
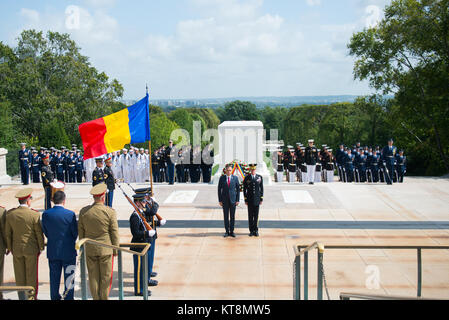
(4, 178)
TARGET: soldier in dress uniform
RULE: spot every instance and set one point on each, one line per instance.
(179, 167)
(99, 222)
(110, 182)
(253, 194)
(401, 166)
(98, 175)
(154, 220)
(349, 165)
(388, 158)
(155, 163)
(25, 240)
(24, 161)
(292, 167)
(47, 178)
(65, 156)
(170, 165)
(3, 250)
(361, 166)
(59, 161)
(79, 166)
(71, 166)
(311, 158)
(35, 166)
(141, 234)
(299, 153)
(280, 165)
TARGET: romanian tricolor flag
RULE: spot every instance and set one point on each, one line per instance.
(113, 132)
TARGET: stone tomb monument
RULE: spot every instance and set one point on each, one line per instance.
(242, 141)
(4, 178)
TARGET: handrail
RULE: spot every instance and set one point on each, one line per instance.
(80, 245)
(303, 250)
(84, 241)
(29, 290)
(362, 296)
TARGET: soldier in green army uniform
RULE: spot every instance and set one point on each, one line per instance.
(99, 222)
(25, 240)
(3, 250)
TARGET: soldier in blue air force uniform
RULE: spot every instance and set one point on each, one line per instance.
(35, 167)
(388, 157)
(24, 161)
(79, 166)
(401, 166)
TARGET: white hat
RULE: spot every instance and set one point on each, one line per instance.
(124, 149)
(311, 140)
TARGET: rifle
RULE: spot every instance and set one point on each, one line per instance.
(138, 210)
(158, 216)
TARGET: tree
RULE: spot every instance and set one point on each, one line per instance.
(238, 111)
(46, 78)
(208, 115)
(408, 54)
(273, 119)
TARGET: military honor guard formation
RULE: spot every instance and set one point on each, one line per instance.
(169, 164)
(357, 164)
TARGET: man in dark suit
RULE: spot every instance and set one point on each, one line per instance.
(229, 198)
(61, 229)
(253, 193)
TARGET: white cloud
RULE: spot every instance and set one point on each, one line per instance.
(313, 2)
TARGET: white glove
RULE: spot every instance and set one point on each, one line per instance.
(55, 180)
(151, 233)
(163, 222)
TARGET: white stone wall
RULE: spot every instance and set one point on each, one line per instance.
(4, 178)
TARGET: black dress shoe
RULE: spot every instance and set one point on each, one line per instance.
(251, 234)
(153, 274)
(256, 234)
(141, 294)
(152, 283)
(226, 235)
(232, 234)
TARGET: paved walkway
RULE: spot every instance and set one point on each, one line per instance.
(194, 261)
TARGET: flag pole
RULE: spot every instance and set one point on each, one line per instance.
(150, 154)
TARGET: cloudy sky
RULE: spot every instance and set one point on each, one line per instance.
(208, 48)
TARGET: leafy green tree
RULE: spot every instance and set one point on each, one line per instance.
(46, 78)
(407, 55)
(208, 115)
(53, 134)
(238, 111)
(183, 119)
(273, 118)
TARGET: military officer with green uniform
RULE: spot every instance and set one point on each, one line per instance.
(99, 222)
(25, 240)
(3, 250)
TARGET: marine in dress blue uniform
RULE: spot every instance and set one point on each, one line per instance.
(61, 229)
(24, 162)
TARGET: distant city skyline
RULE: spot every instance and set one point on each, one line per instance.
(205, 49)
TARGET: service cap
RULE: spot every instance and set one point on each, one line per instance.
(99, 190)
(139, 196)
(143, 191)
(24, 194)
(253, 166)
